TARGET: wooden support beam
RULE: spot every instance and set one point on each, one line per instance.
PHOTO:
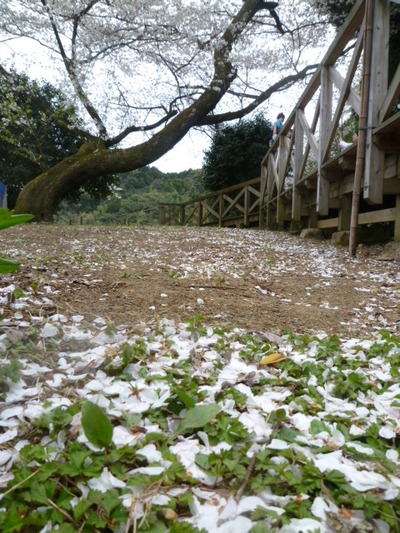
(391, 186)
(324, 127)
(200, 214)
(271, 177)
(348, 162)
(313, 128)
(373, 217)
(342, 84)
(309, 134)
(345, 213)
(233, 203)
(332, 174)
(161, 215)
(274, 171)
(191, 214)
(254, 205)
(334, 203)
(391, 96)
(389, 144)
(270, 216)
(220, 209)
(254, 191)
(375, 157)
(263, 189)
(282, 160)
(280, 213)
(310, 183)
(313, 218)
(345, 34)
(246, 207)
(346, 92)
(397, 219)
(298, 157)
(328, 223)
(210, 210)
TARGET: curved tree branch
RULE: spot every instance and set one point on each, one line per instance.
(282, 84)
(132, 129)
(72, 75)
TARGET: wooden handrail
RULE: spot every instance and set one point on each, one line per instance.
(236, 187)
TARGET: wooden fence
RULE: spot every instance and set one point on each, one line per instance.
(305, 179)
(233, 206)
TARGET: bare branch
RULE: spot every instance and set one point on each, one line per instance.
(281, 85)
(73, 77)
(132, 129)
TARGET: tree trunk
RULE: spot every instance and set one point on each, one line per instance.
(41, 196)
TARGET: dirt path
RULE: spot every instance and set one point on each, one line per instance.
(256, 280)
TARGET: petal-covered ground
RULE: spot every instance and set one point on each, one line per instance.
(276, 425)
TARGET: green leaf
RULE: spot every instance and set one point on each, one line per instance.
(187, 400)
(317, 427)
(96, 426)
(198, 417)
(7, 219)
(288, 434)
(261, 527)
(278, 416)
(389, 516)
(202, 461)
(7, 267)
(38, 493)
(47, 470)
(111, 501)
(157, 527)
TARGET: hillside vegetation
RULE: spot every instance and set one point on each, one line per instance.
(135, 200)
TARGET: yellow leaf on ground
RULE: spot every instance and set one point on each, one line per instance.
(272, 358)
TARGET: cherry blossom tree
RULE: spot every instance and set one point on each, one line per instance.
(145, 73)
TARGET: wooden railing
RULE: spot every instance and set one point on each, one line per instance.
(233, 206)
(304, 178)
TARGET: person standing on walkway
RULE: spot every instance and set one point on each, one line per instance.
(278, 126)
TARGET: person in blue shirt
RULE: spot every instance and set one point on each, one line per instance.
(277, 128)
(278, 125)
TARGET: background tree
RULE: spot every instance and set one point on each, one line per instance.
(37, 130)
(236, 152)
(145, 73)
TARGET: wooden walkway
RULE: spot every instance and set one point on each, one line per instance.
(305, 181)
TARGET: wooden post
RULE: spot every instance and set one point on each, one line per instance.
(246, 206)
(378, 85)
(282, 157)
(345, 213)
(397, 219)
(200, 214)
(280, 213)
(263, 190)
(361, 145)
(313, 218)
(220, 208)
(182, 215)
(298, 156)
(324, 130)
(269, 217)
(161, 215)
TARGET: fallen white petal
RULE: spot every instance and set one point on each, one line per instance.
(106, 482)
